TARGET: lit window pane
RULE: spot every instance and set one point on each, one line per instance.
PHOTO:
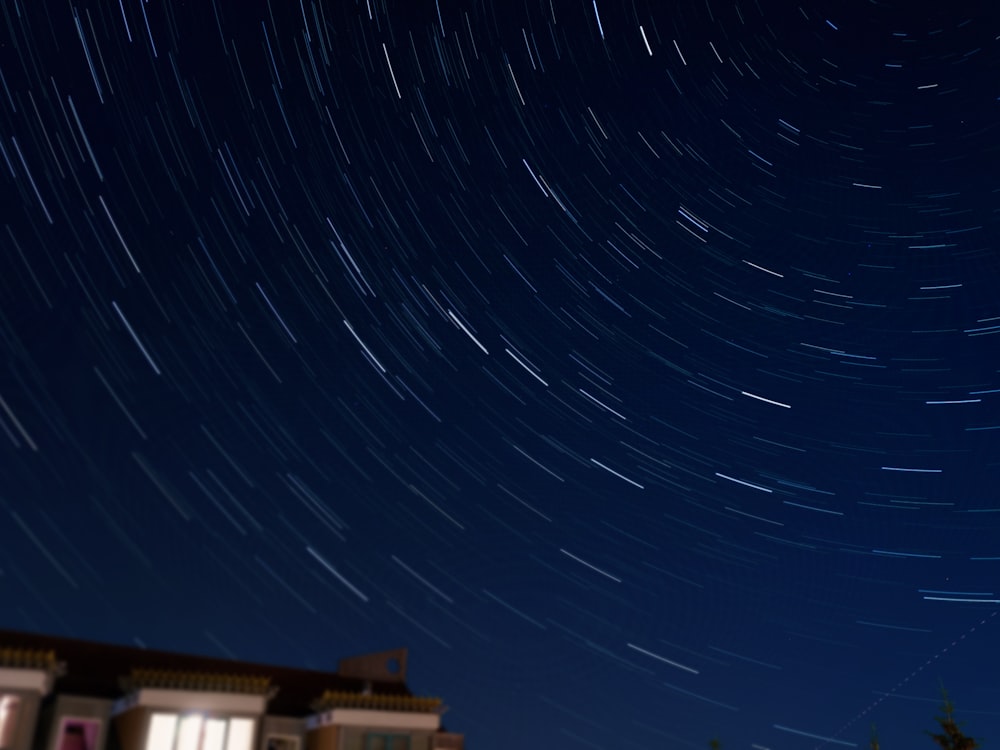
(189, 734)
(215, 734)
(240, 734)
(161, 732)
(8, 719)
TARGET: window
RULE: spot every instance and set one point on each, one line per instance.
(197, 732)
(9, 704)
(281, 742)
(78, 734)
(387, 742)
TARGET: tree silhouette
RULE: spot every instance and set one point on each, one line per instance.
(951, 736)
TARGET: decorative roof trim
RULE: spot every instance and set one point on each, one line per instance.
(30, 669)
(408, 703)
(28, 658)
(166, 679)
(374, 720)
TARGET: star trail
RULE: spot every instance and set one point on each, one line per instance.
(630, 363)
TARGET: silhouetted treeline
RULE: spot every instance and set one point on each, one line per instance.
(950, 736)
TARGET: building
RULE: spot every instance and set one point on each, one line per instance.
(64, 694)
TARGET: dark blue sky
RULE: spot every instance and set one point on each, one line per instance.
(632, 365)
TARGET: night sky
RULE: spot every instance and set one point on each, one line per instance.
(631, 363)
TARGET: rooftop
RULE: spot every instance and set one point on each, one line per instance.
(109, 671)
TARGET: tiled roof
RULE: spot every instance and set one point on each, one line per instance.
(339, 699)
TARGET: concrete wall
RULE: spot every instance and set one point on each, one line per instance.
(129, 729)
(324, 738)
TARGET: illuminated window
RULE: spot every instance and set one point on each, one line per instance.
(9, 705)
(162, 728)
(215, 734)
(189, 733)
(197, 732)
(240, 734)
(387, 742)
